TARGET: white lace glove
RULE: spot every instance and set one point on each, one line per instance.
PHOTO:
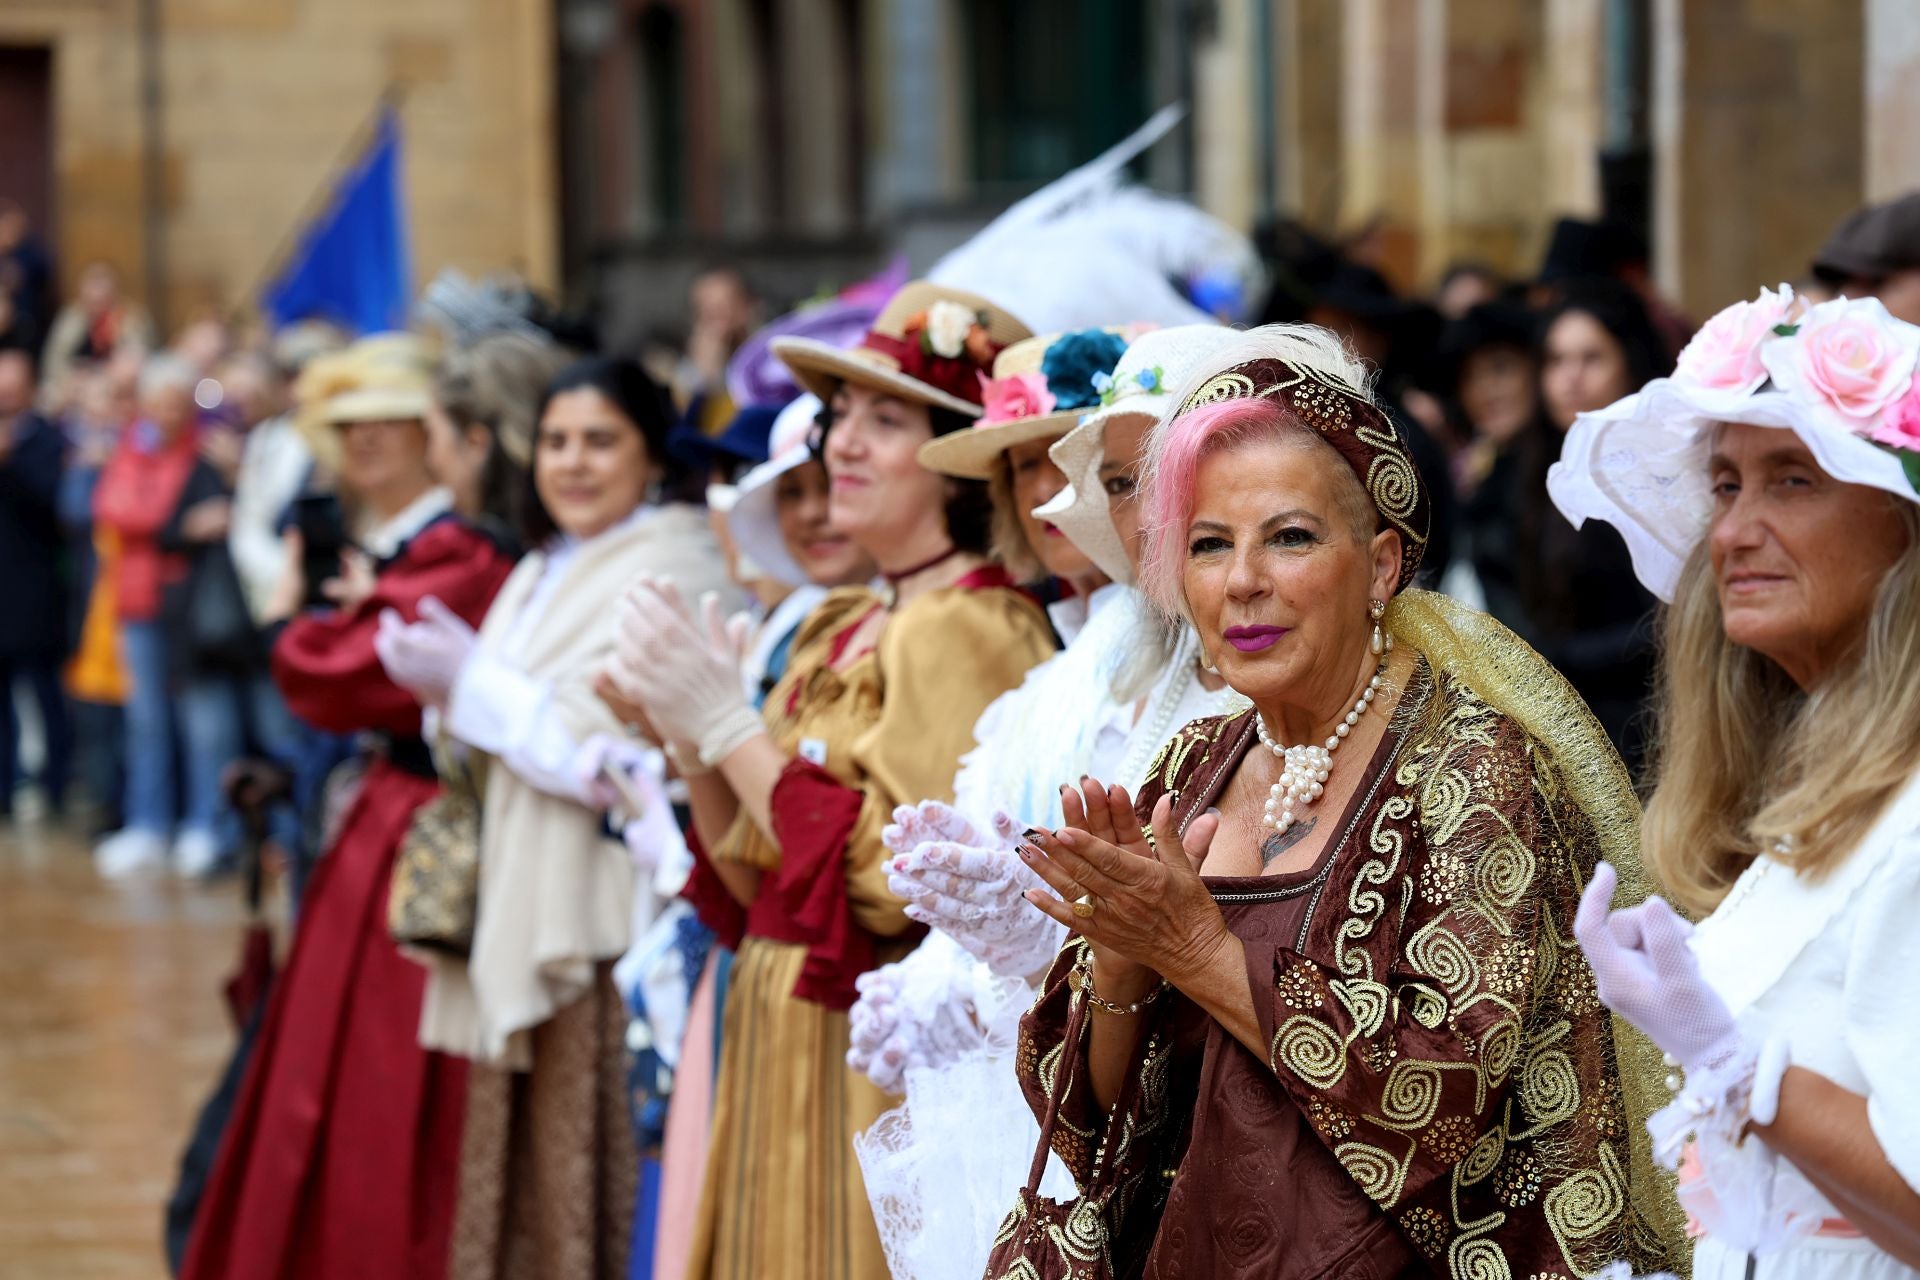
(974, 895)
(915, 824)
(1644, 971)
(425, 657)
(914, 1013)
(686, 673)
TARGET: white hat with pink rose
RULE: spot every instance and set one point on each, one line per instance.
(1841, 375)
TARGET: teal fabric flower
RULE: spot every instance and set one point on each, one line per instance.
(1072, 362)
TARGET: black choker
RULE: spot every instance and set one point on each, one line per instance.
(895, 579)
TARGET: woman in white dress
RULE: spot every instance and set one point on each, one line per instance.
(1767, 492)
(939, 1025)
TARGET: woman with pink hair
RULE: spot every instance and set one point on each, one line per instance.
(1323, 1012)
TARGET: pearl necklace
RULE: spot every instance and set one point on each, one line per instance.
(1305, 768)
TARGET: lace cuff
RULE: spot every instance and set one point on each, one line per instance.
(1734, 1185)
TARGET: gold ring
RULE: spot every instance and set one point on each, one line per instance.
(1083, 905)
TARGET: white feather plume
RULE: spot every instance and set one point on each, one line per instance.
(1092, 248)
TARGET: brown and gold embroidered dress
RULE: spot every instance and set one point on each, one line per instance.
(1443, 1093)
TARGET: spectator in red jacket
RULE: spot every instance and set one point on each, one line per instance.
(138, 491)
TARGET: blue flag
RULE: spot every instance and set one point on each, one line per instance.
(351, 266)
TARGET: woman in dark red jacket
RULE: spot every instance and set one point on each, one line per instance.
(343, 1151)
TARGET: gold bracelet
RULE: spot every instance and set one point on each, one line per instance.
(1085, 987)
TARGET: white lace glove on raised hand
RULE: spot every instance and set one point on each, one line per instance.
(426, 657)
(916, 1012)
(915, 824)
(974, 896)
(685, 672)
(1646, 971)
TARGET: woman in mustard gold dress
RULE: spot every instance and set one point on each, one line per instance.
(875, 710)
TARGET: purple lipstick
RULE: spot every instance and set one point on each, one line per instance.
(1253, 639)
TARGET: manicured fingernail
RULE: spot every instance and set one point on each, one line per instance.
(1214, 810)
(1033, 833)
(1028, 852)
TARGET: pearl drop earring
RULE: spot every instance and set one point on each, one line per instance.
(1382, 642)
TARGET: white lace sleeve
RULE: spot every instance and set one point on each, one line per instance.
(1882, 1008)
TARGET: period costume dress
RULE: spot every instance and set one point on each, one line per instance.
(939, 1202)
(1083, 711)
(343, 1152)
(869, 731)
(1444, 1094)
(1815, 972)
(548, 1162)
(1824, 967)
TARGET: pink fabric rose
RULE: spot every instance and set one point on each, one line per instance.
(1900, 424)
(1014, 397)
(1725, 354)
(1848, 362)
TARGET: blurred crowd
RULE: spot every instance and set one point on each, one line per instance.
(355, 614)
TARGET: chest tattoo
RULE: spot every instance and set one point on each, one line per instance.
(1280, 841)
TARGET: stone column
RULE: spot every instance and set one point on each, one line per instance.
(1758, 140)
(1893, 98)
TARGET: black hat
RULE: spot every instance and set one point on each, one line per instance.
(1873, 242)
(1364, 294)
(1490, 324)
(1580, 249)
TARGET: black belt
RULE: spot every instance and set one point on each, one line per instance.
(408, 754)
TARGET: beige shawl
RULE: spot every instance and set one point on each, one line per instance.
(556, 895)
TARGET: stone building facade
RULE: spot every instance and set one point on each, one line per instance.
(188, 141)
(611, 147)
(1736, 132)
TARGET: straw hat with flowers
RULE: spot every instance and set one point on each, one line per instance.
(929, 345)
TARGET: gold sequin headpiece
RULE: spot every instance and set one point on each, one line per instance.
(1353, 425)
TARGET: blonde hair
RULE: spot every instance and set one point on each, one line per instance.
(1746, 760)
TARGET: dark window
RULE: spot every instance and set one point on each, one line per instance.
(660, 42)
(1051, 83)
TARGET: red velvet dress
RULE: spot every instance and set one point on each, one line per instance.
(342, 1157)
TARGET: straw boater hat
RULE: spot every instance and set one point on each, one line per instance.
(1039, 389)
(929, 345)
(386, 377)
(1142, 383)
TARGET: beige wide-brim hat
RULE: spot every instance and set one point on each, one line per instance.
(970, 454)
(383, 378)
(929, 345)
(1143, 383)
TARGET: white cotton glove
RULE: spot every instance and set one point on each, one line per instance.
(1644, 971)
(686, 673)
(914, 1013)
(426, 657)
